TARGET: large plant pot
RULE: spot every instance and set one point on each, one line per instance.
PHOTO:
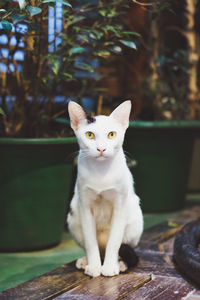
(35, 178)
(162, 151)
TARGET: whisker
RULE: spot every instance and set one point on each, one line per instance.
(84, 153)
(131, 162)
(128, 154)
(85, 156)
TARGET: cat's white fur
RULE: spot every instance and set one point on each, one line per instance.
(105, 211)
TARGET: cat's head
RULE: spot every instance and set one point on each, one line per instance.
(100, 137)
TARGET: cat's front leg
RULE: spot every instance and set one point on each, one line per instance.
(111, 264)
(93, 267)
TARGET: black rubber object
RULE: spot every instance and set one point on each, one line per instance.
(186, 252)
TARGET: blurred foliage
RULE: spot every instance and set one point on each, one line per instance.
(170, 88)
(172, 93)
(1, 111)
(93, 56)
(92, 33)
(168, 61)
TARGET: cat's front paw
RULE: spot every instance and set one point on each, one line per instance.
(93, 271)
(122, 266)
(81, 263)
(110, 270)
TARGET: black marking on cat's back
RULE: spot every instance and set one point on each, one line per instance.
(90, 119)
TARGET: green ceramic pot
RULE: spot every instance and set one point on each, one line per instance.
(35, 178)
(162, 152)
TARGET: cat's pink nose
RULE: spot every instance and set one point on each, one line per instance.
(101, 150)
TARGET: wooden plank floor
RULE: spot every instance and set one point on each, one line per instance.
(155, 277)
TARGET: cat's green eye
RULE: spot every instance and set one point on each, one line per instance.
(112, 134)
(89, 135)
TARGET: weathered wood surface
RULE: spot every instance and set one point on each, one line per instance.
(155, 277)
(110, 288)
(46, 286)
(162, 288)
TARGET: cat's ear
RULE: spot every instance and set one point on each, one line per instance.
(122, 113)
(76, 114)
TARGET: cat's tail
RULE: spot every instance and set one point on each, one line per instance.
(128, 255)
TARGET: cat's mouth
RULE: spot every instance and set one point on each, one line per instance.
(101, 157)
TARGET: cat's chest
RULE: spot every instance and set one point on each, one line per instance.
(102, 210)
(100, 182)
(102, 186)
(100, 195)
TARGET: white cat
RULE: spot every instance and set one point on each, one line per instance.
(105, 213)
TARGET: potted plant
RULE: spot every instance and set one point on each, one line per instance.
(161, 139)
(46, 66)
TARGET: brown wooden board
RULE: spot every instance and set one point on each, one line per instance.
(162, 288)
(188, 215)
(161, 234)
(108, 288)
(156, 263)
(167, 246)
(46, 286)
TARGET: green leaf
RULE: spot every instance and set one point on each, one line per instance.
(86, 67)
(68, 76)
(76, 50)
(60, 1)
(18, 18)
(95, 34)
(116, 49)
(33, 10)
(2, 112)
(55, 66)
(103, 12)
(115, 29)
(83, 37)
(7, 26)
(77, 28)
(75, 19)
(109, 27)
(108, 12)
(102, 53)
(129, 44)
(131, 33)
